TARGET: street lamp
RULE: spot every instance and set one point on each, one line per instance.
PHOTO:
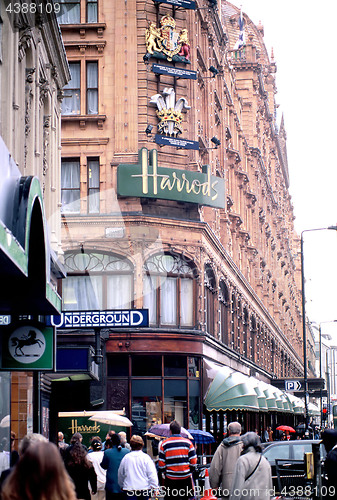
(320, 361)
(305, 368)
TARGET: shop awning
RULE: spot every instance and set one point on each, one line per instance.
(232, 390)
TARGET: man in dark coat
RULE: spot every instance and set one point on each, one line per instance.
(329, 437)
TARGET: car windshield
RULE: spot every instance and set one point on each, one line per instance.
(279, 451)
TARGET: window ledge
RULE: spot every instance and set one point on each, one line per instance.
(82, 28)
(84, 119)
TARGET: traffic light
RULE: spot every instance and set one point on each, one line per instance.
(324, 412)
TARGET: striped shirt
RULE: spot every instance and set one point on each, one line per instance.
(177, 457)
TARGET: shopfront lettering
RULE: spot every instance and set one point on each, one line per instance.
(146, 179)
(84, 429)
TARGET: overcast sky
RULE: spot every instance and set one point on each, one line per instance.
(304, 42)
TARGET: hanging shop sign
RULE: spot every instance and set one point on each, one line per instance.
(166, 43)
(161, 69)
(27, 347)
(124, 318)
(185, 4)
(147, 180)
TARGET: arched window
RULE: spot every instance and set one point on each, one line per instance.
(210, 299)
(246, 335)
(224, 312)
(97, 281)
(169, 291)
(253, 339)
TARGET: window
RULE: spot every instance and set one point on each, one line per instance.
(92, 88)
(92, 16)
(93, 185)
(224, 312)
(210, 299)
(97, 281)
(168, 291)
(70, 185)
(71, 104)
(70, 12)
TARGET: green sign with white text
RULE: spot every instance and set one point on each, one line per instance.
(147, 180)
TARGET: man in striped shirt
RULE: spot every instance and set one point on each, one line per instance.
(177, 461)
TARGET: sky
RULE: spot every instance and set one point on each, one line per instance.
(304, 42)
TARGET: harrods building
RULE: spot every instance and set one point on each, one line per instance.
(176, 218)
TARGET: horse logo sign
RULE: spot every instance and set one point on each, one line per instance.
(26, 346)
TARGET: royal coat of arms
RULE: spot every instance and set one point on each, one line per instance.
(166, 42)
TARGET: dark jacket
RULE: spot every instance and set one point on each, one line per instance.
(331, 467)
(111, 461)
(81, 475)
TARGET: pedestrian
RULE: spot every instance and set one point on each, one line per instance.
(79, 468)
(177, 461)
(25, 442)
(108, 436)
(61, 443)
(96, 457)
(137, 474)
(270, 433)
(111, 461)
(224, 460)
(124, 442)
(252, 473)
(329, 437)
(39, 475)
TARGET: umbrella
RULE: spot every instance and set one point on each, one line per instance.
(6, 421)
(285, 428)
(163, 430)
(201, 437)
(111, 418)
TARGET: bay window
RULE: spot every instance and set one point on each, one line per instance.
(169, 290)
(97, 281)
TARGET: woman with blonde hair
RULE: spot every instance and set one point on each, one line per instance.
(39, 475)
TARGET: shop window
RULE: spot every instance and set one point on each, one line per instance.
(145, 366)
(70, 185)
(91, 11)
(194, 367)
(169, 291)
(93, 185)
(71, 103)
(145, 411)
(118, 366)
(175, 403)
(210, 296)
(70, 11)
(97, 282)
(175, 366)
(92, 87)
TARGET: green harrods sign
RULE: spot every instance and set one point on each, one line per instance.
(147, 180)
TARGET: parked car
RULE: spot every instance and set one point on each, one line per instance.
(287, 461)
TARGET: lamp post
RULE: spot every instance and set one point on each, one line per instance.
(320, 360)
(305, 367)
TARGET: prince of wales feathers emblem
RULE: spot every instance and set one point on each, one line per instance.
(169, 112)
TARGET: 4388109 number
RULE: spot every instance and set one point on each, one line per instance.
(308, 491)
(33, 7)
